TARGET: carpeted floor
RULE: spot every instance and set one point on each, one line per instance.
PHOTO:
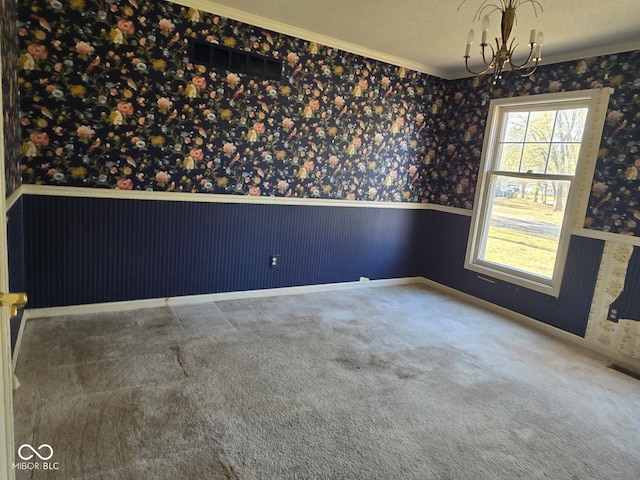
(371, 383)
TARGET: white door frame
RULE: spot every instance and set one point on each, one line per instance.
(6, 382)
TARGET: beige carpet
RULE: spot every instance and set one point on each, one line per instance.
(372, 383)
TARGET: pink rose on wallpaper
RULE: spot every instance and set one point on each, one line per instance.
(233, 79)
(228, 148)
(400, 121)
(84, 48)
(162, 177)
(385, 81)
(351, 196)
(309, 165)
(164, 103)
(419, 118)
(363, 84)
(196, 153)
(378, 138)
(40, 139)
(166, 25)
(39, 52)
(283, 185)
(254, 191)
(357, 142)
(314, 104)
(84, 131)
(339, 101)
(333, 160)
(413, 170)
(287, 123)
(292, 57)
(126, 26)
(199, 82)
(125, 184)
(259, 127)
(555, 86)
(614, 116)
(125, 108)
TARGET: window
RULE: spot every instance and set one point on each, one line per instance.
(537, 165)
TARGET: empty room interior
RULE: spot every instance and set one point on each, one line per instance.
(320, 239)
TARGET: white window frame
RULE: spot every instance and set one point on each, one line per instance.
(596, 101)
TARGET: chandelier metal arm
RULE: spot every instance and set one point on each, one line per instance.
(532, 47)
(489, 65)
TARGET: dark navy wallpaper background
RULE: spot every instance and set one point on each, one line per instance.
(10, 95)
(111, 100)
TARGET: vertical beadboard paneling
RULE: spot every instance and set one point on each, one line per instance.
(91, 250)
(569, 312)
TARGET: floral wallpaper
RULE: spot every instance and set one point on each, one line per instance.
(9, 57)
(614, 204)
(110, 99)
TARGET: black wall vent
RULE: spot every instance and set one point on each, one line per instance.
(237, 61)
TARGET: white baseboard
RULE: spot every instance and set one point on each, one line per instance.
(619, 358)
(211, 297)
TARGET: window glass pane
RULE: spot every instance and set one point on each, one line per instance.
(534, 157)
(563, 158)
(570, 125)
(509, 157)
(515, 126)
(523, 228)
(540, 126)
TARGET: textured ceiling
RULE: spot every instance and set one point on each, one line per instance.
(430, 35)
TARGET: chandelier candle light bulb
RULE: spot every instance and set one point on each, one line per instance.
(469, 42)
(485, 29)
(538, 55)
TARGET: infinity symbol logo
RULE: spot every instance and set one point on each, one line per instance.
(29, 456)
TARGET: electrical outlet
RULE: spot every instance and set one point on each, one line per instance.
(274, 260)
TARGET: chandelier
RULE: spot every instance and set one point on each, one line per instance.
(496, 59)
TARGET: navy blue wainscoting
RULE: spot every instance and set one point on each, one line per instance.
(92, 250)
(15, 241)
(570, 311)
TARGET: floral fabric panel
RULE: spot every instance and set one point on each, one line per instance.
(110, 99)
